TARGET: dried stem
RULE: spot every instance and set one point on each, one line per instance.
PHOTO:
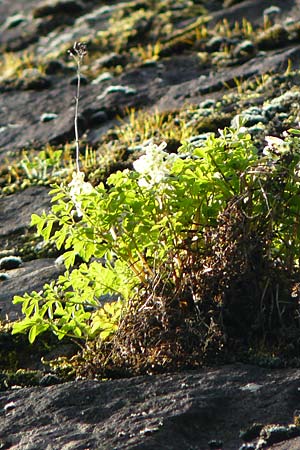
(77, 52)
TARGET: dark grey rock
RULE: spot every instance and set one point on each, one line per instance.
(83, 80)
(98, 118)
(59, 7)
(165, 86)
(15, 214)
(54, 67)
(31, 276)
(110, 60)
(16, 210)
(33, 79)
(215, 445)
(174, 411)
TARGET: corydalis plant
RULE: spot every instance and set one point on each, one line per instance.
(79, 187)
(153, 218)
(154, 166)
(141, 221)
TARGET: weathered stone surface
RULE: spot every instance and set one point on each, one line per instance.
(31, 276)
(163, 86)
(15, 214)
(177, 411)
(253, 9)
(197, 88)
(16, 210)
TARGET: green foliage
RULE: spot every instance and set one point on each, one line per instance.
(45, 164)
(148, 216)
(71, 306)
(43, 167)
(164, 126)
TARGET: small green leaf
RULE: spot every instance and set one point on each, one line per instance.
(105, 334)
(32, 334)
(22, 326)
(294, 131)
(69, 258)
(35, 219)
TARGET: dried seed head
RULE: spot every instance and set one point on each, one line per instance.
(79, 50)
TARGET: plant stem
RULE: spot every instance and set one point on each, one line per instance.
(77, 52)
(76, 115)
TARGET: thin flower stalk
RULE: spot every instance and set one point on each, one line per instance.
(77, 52)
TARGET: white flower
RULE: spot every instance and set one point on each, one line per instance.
(79, 187)
(275, 148)
(154, 166)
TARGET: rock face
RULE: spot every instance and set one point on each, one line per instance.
(162, 85)
(189, 410)
(15, 213)
(35, 199)
(199, 410)
(31, 276)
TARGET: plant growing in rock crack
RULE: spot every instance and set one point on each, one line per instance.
(174, 245)
(72, 316)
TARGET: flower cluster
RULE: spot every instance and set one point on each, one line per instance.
(79, 187)
(276, 147)
(155, 165)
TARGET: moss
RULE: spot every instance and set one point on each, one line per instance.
(21, 377)
(274, 433)
(142, 125)
(31, 167)
(297, 418)
(22, 363)
(175, 47)
(274, 37)
(134, 28)
(294, 31)
(214, 122)
(10, 262)
(12, 66)
(251, 432)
